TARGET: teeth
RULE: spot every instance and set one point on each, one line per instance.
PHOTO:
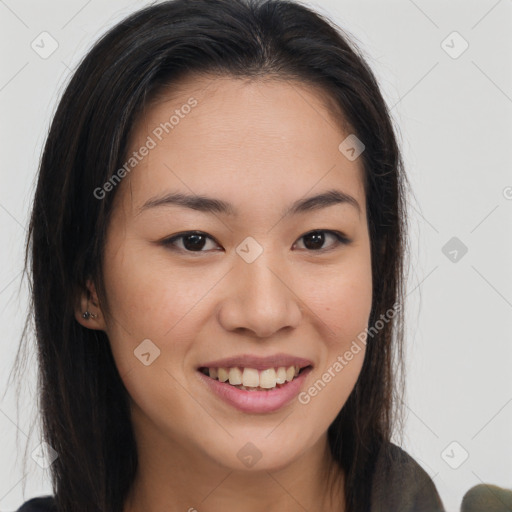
(223, 374)
(281, 375)
(268, 378)
(235, 376)
(250, 378)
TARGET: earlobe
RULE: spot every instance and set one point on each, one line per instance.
(87, 310)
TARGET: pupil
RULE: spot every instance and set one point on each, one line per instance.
(197, 243)
(318, 240)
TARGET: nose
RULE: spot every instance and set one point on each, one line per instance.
(261, 299)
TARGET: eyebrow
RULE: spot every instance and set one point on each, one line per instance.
(213, 206)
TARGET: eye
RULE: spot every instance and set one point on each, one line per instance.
(315, 239)
(195, 241)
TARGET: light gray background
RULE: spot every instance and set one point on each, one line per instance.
(455, 123)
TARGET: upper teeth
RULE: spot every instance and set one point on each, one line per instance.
(250, 377)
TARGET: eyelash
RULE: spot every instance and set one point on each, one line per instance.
(169, 242)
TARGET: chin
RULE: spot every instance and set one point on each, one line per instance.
(257, 450)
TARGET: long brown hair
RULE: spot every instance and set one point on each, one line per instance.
(83, 403)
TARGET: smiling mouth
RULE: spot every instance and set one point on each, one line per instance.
(251, 379)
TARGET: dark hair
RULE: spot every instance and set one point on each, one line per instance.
(83, 402)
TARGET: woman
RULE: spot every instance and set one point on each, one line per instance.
(217, 251)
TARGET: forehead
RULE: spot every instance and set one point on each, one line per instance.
(265, 139)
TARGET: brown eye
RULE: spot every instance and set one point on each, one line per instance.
(314, 240)
(195, 241)
(192, 241)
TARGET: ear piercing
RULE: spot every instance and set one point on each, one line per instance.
(88, 315)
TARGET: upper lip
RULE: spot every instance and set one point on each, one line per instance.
(257, 362)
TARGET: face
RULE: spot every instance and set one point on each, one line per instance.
(259, 282)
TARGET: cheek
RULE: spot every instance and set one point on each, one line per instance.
(328, 390)
(341, 297)
(148, 301)
(345, 306)
(153, 313)
(148, 295)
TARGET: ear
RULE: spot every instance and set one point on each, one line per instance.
(88, 301)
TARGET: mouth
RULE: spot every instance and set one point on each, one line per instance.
(254, 379)
(255, 385)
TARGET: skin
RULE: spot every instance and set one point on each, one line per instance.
(260, 145)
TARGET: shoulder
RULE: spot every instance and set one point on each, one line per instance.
(400, 483)
(40, 504)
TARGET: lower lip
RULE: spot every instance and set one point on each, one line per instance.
(257, 401)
